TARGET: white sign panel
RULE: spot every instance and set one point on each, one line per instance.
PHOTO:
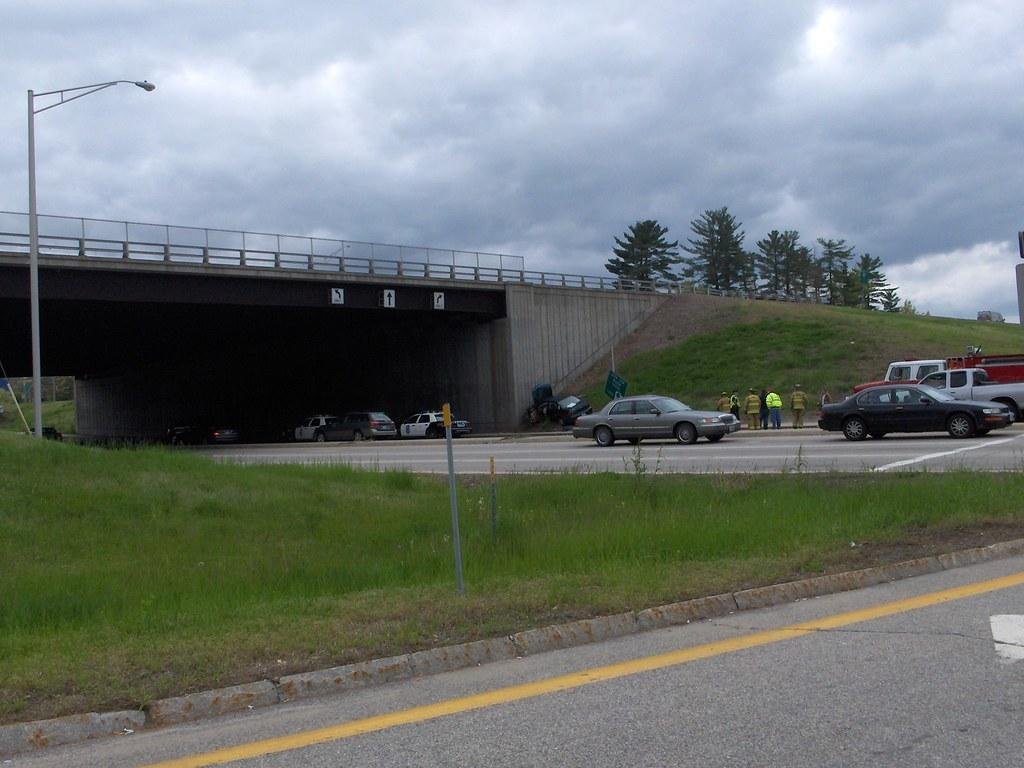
(387, 298)
(337, 295)
(1008, 634)
(438, 299)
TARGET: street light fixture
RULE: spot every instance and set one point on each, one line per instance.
(33, 221)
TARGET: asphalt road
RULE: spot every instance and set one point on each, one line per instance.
(901, 674)
(786, 450)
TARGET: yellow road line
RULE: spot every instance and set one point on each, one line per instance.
(581, 678)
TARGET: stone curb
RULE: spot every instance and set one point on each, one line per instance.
(23, 737)
(219, 701)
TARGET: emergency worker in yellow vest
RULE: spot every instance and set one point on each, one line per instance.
(798, 404)
(774, 403)
(723, 403)
(752, 407)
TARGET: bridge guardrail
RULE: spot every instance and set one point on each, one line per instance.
(214, 248)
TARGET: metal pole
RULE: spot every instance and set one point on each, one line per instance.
(33, 269)
(494, 505)
(456, 543)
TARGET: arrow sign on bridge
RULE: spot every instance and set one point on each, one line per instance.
(1008, 634)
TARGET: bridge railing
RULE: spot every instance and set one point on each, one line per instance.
(102, 239)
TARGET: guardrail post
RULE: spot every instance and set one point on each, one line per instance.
(81, 247)
(476, 273)
(277, 258)
(370, 262)
(206, 254)
(241, 257)
(167, 251)
(125, 252)
(400, 271)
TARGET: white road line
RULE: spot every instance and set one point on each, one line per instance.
(930, 456)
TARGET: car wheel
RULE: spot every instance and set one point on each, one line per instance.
(686, 433)
(603, 437)
(960, 425)
(714, 438)
(432, 432)
(320, 437)
(357, 435)
(854, 428)
(175, 440)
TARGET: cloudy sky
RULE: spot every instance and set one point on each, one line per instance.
(541, 129)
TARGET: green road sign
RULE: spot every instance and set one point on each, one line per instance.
(615, 386)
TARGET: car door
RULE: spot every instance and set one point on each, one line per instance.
(645, 420)
(409, 426)
(307, 429)
(620, 418)
(422, 425)
(875, 407)
(915, 411)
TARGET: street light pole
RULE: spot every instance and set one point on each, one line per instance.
(33, 223)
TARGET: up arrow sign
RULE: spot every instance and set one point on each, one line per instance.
(1008, 634)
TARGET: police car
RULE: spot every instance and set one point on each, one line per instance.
(431, 424)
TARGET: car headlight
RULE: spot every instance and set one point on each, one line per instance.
(710, 420)
(993, 410)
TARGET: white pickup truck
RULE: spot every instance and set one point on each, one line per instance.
(974, 384)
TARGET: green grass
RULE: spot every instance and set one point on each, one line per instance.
(777, 346)
(131, 575)
(59, 414)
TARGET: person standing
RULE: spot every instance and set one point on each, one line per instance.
(752, 407)
(798, 404)
(774, 408)
(724, 403)
(764, 409)
(734, 405)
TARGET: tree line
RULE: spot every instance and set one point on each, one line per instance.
(834, 274)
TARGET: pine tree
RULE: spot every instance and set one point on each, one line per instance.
(890, 299)
(835, 256)
(642, 253)
(718, 257)
(870, 281)
(771, 261)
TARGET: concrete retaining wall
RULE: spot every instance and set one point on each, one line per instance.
(555, 333)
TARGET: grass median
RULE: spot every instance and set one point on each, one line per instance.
(136, 574)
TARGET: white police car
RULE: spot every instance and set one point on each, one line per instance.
(431, 424)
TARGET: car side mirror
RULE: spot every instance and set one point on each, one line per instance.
(925, 401)
(655, 412)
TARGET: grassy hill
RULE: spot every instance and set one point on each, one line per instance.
(696, 346)
(59, 414)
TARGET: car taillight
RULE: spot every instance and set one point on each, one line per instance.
(377, 425)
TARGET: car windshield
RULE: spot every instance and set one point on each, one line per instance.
(670, 405)
(935, 394)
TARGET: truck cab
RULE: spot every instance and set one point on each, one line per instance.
(975, 384)
(905, 371)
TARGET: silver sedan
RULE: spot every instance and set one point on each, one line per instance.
(652, 417)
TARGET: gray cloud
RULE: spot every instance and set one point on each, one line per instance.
(533, 129)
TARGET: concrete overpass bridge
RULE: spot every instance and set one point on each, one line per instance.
(166, 325)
